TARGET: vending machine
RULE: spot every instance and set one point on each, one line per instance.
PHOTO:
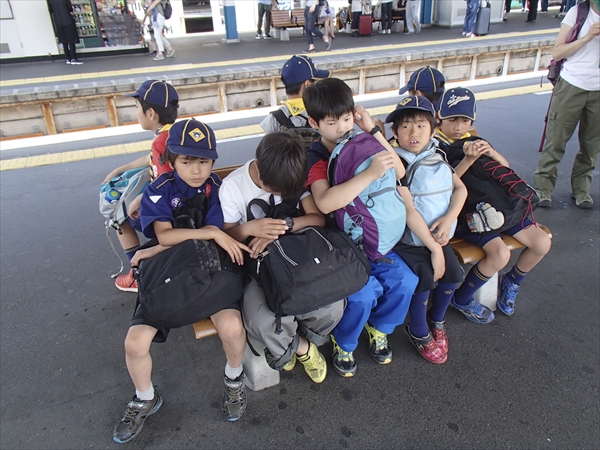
(86, 20)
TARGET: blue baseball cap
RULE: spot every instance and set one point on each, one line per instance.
(427, 80)
(457, 102)
(191, 137)
(157, 92)
(411, 102)
(298, 69)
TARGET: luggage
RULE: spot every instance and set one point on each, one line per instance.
(482, 21)
(365, 25)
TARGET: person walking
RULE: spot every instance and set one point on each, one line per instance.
(472, 7)
(311, 15)
(66, 30)
(575, 100)
(264, 9)
(157, 11)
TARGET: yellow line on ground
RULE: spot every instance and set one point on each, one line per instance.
(227, 133)
(250, 61)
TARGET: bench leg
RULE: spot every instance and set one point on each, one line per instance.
(284, 35)
(488, 293)
(259, 375)
(276, 32)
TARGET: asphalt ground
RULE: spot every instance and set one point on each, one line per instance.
(522, 382)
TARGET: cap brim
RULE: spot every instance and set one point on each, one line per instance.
(193, 151)
(135, 94)
(321, 74)
(403, 90)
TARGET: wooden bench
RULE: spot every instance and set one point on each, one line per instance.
(281, 20)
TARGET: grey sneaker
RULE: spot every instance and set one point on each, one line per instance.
(159, 57)
(584, 201)
(234, 397)
(130, 425)
(545, 199)
(170, 52)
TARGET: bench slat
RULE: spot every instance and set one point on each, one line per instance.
(204, 328)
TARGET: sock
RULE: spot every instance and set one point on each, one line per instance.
(442, 295)
(231, 372)
(148, 394)
(473, 281)
(129, 252)
(418, 314)
(515, 275)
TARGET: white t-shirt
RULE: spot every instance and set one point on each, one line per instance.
(582, 69)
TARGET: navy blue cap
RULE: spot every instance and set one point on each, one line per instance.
(427, 80)
(411, 102)
(298, 69)
(157, 92)
(191, 137)
(457, 102)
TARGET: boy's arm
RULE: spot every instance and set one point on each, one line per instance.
(417, 225)
(441, 227)
(142, 161)
(363, 119)
(312, 216)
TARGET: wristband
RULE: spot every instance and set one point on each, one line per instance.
(375, 129)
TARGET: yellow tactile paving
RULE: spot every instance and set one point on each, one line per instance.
(254, 61)
(144, 146)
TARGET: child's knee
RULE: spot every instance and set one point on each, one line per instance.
(498, 257)
(542, 245)
(230, 326)
(137, 344)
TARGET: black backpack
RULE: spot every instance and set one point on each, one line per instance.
(489, 182)
(191, 280)
(167, 9)
(307, 269)
(305, 133)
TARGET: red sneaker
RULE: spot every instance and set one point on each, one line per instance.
(438, 331)
(427, 347)
(126, 282)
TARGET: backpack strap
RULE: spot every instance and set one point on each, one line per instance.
(284, 120)
(287, 208)
(191, 213)
(262, 204)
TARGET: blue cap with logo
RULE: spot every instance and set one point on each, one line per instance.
(457, 102)
(191, 137)
(427, 80)
(298, 69)
(157, 92)
(411, 102)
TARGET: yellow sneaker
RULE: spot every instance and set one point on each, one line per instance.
(379, 349)
(314, 364)
(289, 366)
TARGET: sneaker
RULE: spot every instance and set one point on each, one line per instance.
(474, 311)
(127, 282)
(507, 294)
(170, 52)
(418, 30)
(234, 397)
(388, 31)
(267, 36)
(328, 43)
(584, 201)
(467, 35)
(343, 361)
(68, 61)
(409, 32)
(379, 349)
(382, 31)
(258, 36)
(464, 34)
(427, 347)
(159, 57)
(438, 331)
(76, 62)
(314, 364)
(545, 200)
(289, 366)
(130, 425)
(154, 53)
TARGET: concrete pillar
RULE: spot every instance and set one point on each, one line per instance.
(259, 375)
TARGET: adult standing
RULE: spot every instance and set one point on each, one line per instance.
(156, 9)
(413, 16)
(507, 5)
(357, 7)
(532, 14)
(386, 16)
(575, 99)
(66, 30)
(264, 9)
(311, 15)
(472, 7)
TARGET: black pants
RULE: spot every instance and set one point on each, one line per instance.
(70, 52)
(532, 14)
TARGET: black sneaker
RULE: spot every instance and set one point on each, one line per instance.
(234, 397)
(343, 361)
(76, 62)
(379, 349)
(267, 36)
(130, 425)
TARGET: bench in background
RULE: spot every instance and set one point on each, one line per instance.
(281, 20)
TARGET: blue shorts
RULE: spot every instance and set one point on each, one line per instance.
(481, 240)
(136, 224)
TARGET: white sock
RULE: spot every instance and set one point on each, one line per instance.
(148, 394)
(231, 372)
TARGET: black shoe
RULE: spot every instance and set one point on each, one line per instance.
(234, 397)
(76, 62)
(130, 425)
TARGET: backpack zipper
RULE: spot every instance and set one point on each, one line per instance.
(282, 252)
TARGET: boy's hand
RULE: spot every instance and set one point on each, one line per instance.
(267, 228)
(134, 207)
(258, 245)
(379, 123)
(110, 176)
(363, 119)
(440, 229)
(232, 247)
(471, 150)
(381, 163)
(485, 148)
(146, 254)
(438, 262)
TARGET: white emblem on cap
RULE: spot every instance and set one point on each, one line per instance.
(155, 198)
(196, 134)
(455, 100)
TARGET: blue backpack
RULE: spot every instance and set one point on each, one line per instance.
(429, 180)
(117, 194)
(375, 220)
